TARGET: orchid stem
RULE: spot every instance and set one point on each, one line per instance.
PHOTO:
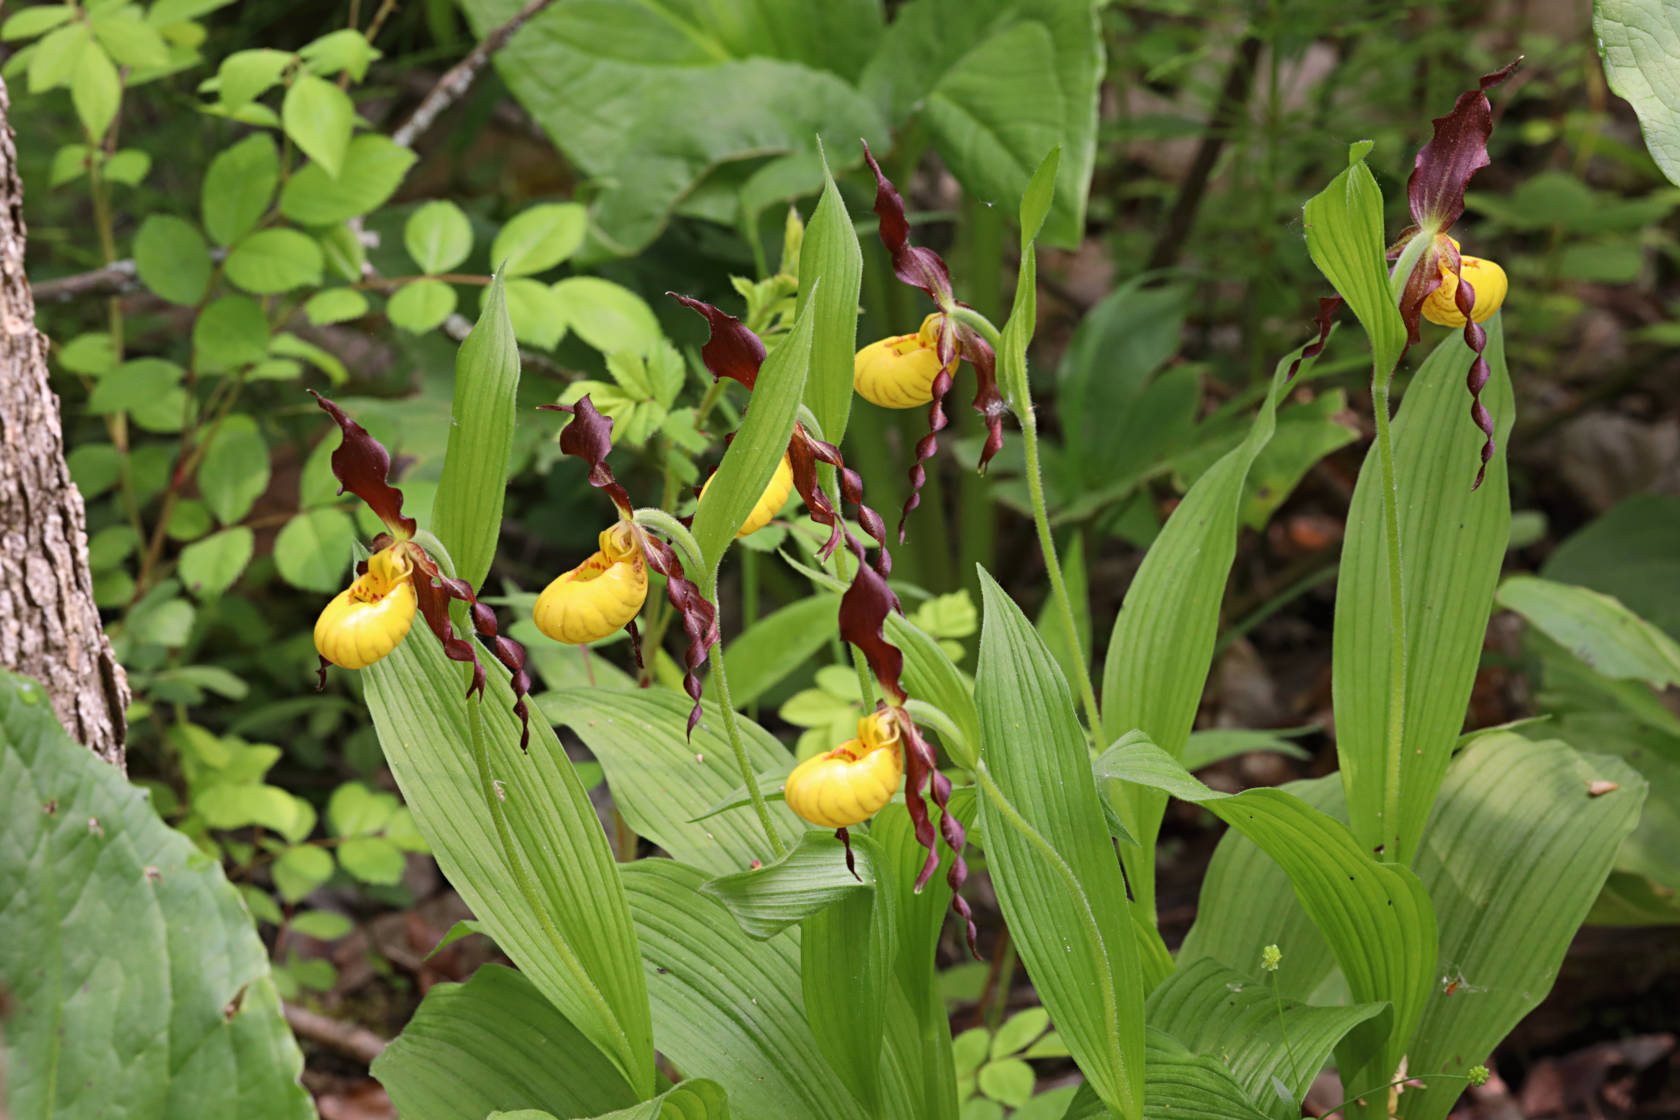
(1041, 521)
(720, 678)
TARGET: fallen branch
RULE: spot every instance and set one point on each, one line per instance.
(347, 1038)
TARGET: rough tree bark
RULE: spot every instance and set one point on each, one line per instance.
(49, 626)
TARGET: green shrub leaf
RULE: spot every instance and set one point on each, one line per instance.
(274, 260)
(537, 239)
(172, 259)
(372, 170)
(318, 116)
(239, 186)
(438, 236)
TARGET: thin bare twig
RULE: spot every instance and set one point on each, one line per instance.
(113, 279)
(459, 78)
(347, 1038)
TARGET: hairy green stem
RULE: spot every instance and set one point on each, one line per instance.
(726, 705)
(1041, 521)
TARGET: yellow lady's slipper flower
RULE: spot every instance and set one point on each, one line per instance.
(775, 496)
(367, 620)
(1486, 279)
(899, 372)
(598, 596)
(852, 782)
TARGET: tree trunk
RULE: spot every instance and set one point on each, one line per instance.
(49, 626)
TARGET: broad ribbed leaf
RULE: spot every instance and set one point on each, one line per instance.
(1050, 856)
(1344, 224)
(1452, 541)
(830, 253)
(1633, 553)
(495, 1043)
(1516, 852)
(1162, 644)
(1233, 1016)
(811, 877)
(670, 104)
(728, 1007)
(661, 781)
(758, 447)
(1246, 904)
(920, 918)
(777, 644)
(467, 512)
(1181, 1086)
(692, 1100)
(136, 982)
(1596, 628)
(1375, 917)
(848, 943)
(580, 952)
(999, 83)
(1639, 41)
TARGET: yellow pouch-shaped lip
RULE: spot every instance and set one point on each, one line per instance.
(367, 620)
(1486, 278)
(899, 372)
(596, 598)
(852, 782)
(770, 503)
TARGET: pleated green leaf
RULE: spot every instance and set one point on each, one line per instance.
(1181, 1086)
(1233, 1015)
(920, 918)
(848, 943)
(1246, 904)
(661, 781)
(811, 877)
(1516, 853)
(1595, 627)
(773, 647)
(495, 1043)
(1375, 917)
(1452, 542)
(692, 1100)
(1050, 856)
(830, 253)
(1344, 225)
(137, 985)
(580, 950)
(727, 1007)
(1162, 644)
(759, 444)
(467, 512)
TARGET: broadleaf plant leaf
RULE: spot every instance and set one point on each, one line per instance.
(1639, 41)
(137, 982)
(1051, 859)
